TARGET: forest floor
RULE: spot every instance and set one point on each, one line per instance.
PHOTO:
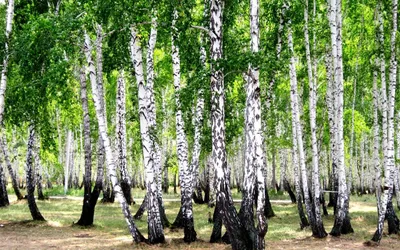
(17, 231)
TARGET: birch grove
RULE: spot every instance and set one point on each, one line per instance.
(255, 123)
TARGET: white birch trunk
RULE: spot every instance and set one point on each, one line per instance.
(217, 101)
(100, 86)
(296, 171)
(3, 80)
(383, 95)
(67, 161)
(198, 122)
(319, 230)
(376, 158)
(30, 183)
(121, 138)
(255, 126)
(341, 216)
(389, 163)
(38, 169)
(299, 133)
(182, 144)
(397, 177)
(152, 105)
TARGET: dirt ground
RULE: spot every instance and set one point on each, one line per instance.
(48, 235)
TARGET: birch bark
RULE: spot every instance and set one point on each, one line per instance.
(3, 86)
(101, 159)
(254, 154)
(377, 163)
(121, 139)
(4, 71)
(87, 214)
(38, 169)
(198, 122)
(3, 189)
(67, 161)
(397, 177)
(30, 183)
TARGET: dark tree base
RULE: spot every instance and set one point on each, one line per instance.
(288, 189)
(190, 234)
(320, 232)
(4, 202)
(164, 219)
(198, 197)
(41, 197)
(89, 205)
(225, 238)
(178, 223)
(376, 238)
(346, 227)
(87, 216)
(206, 195)
(36, 215)
(156, 240)
(216, 233)
(269, 213)
(239, 237)
(141, 209)
(303, 219)
(393, 221)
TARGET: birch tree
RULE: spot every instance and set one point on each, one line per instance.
(155, 228)
(182, 144)
(319, 230)
(90, 195)
(101, 159)
(38, 169)
(121, 139)
(136, 235)
(198, 119)
(67, 161)
(30, 183)
(3, 189)
(342, 220)
(4, 71)
(224, 206)
(254, 154)
(294, 100)
(389, 162)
